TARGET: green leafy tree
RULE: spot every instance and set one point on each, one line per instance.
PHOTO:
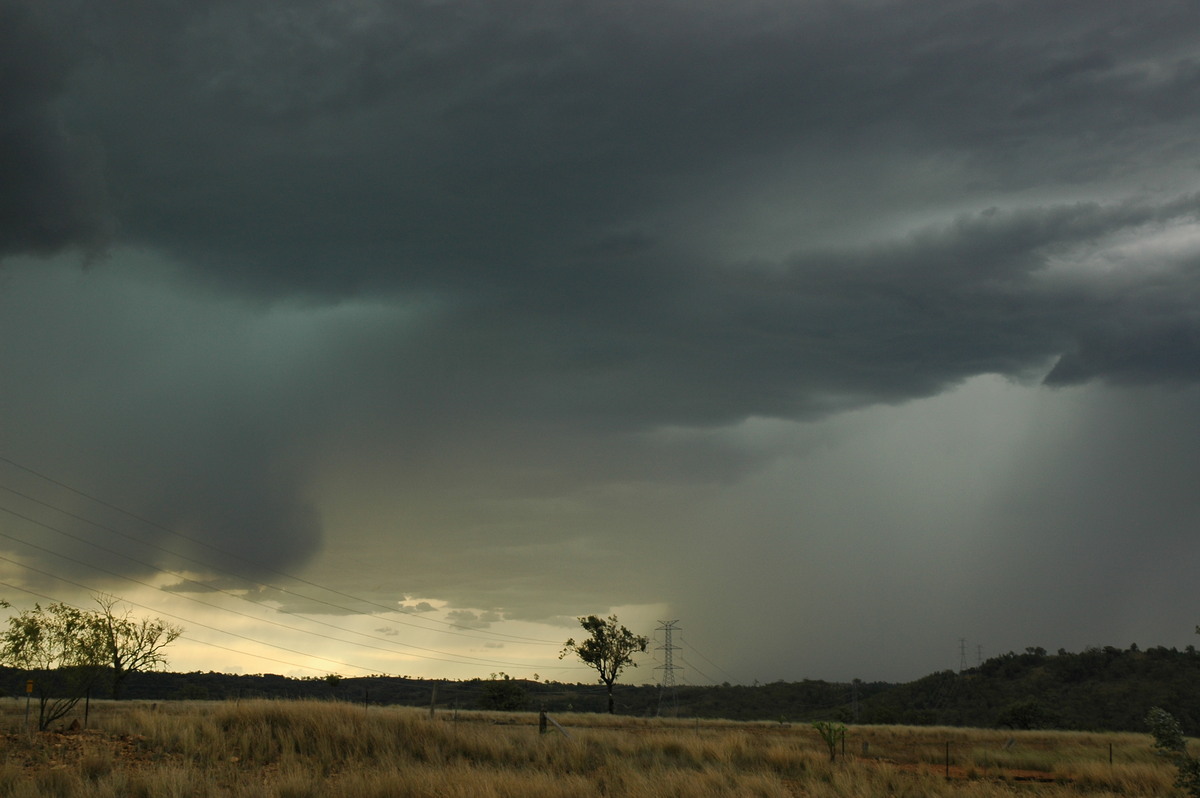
(64, 645)
(1025, 714)
(1169, 743)
(503, 692)
(608, 649)
(131, 644)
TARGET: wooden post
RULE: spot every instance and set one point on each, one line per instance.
(542, 721)
(947, 759)
(432, 701)
(558, 726)
(87, 706)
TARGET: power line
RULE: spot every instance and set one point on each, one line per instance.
(187, 620)
(475, 660)
(181, 637)
(235, 612)
(227, 593)
(700, 654)
(263, 566)
(218, 569)
(227, 553)
(710, 679)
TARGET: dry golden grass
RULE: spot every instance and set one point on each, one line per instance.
(283, 749)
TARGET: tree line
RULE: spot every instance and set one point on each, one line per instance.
(71, 652)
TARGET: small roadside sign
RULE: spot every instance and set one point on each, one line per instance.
(29, 686)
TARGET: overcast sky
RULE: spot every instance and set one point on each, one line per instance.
(852, 335)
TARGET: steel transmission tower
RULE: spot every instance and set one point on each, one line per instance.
(668, 667)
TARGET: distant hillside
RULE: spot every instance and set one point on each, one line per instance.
(1100, 689)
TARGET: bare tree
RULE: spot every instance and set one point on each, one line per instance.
(608, 649)
(131, 644)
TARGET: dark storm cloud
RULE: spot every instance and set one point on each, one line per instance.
(512, 254)
(521, 161)
(51, 185)
(135, 392)
(345, 147)
(831, 330)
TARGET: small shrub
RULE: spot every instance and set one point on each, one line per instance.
(832, 734)
(95, 765)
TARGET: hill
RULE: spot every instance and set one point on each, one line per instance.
(1099, 689)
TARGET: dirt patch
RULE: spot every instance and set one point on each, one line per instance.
(38, 751)
(955, 773)
(958, 773)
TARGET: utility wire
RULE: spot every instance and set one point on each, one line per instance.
(188, 620)
(700, 654)
(231, 594)
(710, 679)
(476, 660)
(209, 565)
(227, 553)
(181, 637)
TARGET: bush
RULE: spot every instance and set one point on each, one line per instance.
(1169, 743)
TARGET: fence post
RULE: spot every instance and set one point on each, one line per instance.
(947, 759)
(558, 726)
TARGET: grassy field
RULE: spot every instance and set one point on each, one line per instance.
(286, 749)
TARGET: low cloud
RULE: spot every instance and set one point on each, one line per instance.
(467, 619)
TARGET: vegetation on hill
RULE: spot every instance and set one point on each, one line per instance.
(1099, 689)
